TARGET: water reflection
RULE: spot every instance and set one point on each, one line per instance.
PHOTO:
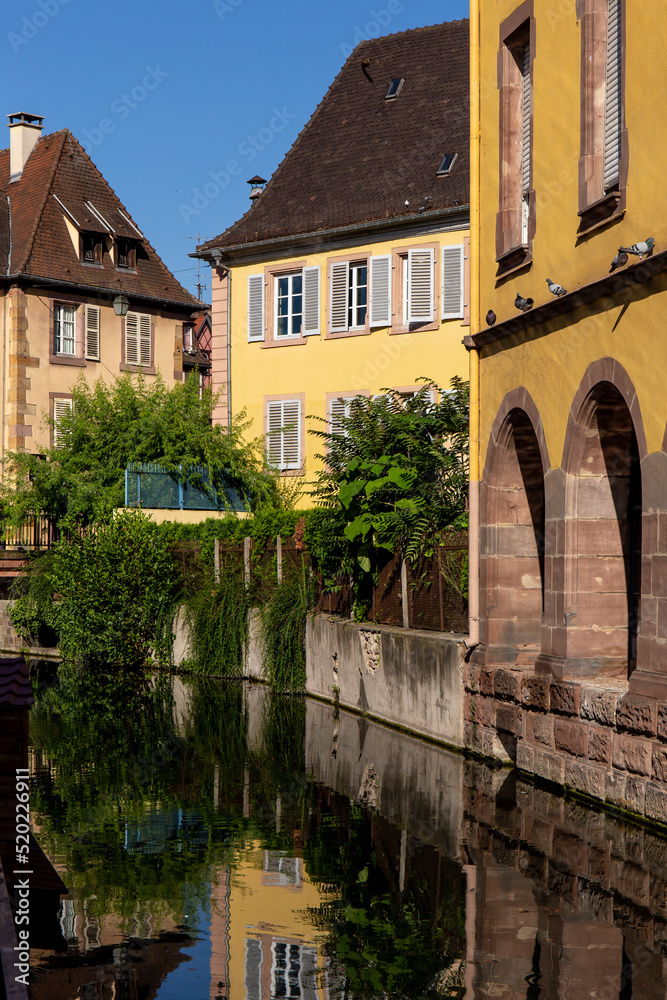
(222, 843)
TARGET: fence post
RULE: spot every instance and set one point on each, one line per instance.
(404, 593)
(279, 558)
(247, 549)
(216, 561)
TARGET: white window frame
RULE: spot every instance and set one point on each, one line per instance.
(291, 314)
(138, 342)
(344, 295)
(64, 340)
(284, 447)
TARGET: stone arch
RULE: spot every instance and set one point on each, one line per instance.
(604, 446)
(512, 556)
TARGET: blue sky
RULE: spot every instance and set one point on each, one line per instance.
(165, 96)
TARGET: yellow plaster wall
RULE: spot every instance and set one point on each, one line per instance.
(346, 365)
(45, 378)
(551, 367)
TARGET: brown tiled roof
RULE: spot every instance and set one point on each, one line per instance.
(361, 157)
(15, 687)
(34, 239)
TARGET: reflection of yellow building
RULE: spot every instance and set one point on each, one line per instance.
(274, 950)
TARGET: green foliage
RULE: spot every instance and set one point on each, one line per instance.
(109, 593)
(217, 618)
(263, 527)
(396, 476)
(283, 630)
(131, 420)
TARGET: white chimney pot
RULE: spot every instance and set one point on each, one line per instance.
(24, 131)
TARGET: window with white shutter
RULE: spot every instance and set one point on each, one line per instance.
(338, 296)
(451, 293)
(526, 144)
(255, 307)
(61, 406)
(339, 410)
(283, 429)
(612, 107)
(138, 339)
(64, 317)
(93, 333)
(419, 303)
(311, 300)
(380, 291)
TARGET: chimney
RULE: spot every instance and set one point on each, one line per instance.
(25, 131)
(256, 187)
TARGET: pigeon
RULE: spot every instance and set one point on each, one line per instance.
(643, 249)
(523, 304)
(490, 318)
(620, 260)
(555, 289)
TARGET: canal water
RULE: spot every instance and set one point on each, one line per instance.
(219, 842)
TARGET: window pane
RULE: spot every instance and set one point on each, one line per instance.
(282, 326)
(283, 286)
(296, 284)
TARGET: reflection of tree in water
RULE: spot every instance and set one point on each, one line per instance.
(398, 928)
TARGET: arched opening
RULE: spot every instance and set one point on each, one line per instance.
(512, 561)
(604, 536)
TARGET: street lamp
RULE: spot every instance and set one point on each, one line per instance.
(121, 304)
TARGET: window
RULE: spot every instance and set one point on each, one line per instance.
(394, 88)
(603, 154)
(452, 275)
(61, 405)
(284, 434)
(348, 282)
(138, 339)
(292, 309)
(340, 409)
(418, 274)
(446, 164)
(64, 329)
(189, 338)
(93, 333)
(126, 254)
(91, 248)
(516, 223)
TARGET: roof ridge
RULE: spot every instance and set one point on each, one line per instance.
(409, 31)
(22, 265)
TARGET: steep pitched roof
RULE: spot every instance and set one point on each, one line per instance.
(59, 180)
(362, 158)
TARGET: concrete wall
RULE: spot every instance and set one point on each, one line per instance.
(407, 677)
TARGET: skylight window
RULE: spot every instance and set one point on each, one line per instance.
(394, 88)
(446, 164)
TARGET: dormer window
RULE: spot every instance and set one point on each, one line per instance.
(91, 248)
(126, 254)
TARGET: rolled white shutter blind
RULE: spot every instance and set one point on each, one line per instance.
(380, 291)
(144, 340)
(420, 286)
(612, 105)
(92, 338)
(526, 109)
(311, 300)
(132, 339)
(340, 272)
(452, 282)
(255, 307)
(291, 436)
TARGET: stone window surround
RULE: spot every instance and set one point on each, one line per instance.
(271, 272)
(399, 256)
(596, 208)
(511, 255)
(360, 257)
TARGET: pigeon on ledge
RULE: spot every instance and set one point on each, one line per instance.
(490, 318)
(555, 289)
(620, 260)
(523, 304)
(643, 249)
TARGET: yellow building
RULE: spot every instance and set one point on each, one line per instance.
(83, 291)
(348, 274)
(569, 413)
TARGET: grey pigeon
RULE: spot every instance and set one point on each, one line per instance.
(620, 260)
(490, 318)
(555, 289)
(523, 304)
(642, 249)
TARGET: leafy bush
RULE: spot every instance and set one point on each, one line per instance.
(283, 631)
(217, 619)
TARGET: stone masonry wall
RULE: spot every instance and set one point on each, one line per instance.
(592, 737)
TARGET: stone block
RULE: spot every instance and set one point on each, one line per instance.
(631, 881)
(506, 684)
(471, 673)
(585, 777)
(507, 719)
(535, 692)
(631, 753)
(656, 802)
(662, 720)
(598, 705)
(635, 792)
(484, 711)
(524, 757)
(565, 698)
(637, 714)
(659, 763)
(486, 680)
(599, 745)
(549, 765)
(467, 706)
(615, 782)
(571, 737)
(539, 729)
